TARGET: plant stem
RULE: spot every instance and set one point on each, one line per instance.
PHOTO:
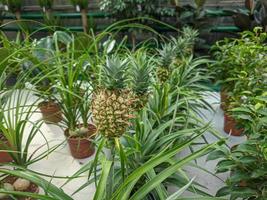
(110, 155)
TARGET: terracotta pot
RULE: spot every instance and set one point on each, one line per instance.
(4, 156)
(230, 126)
(224, 98)
(51, 112)
(32, 189)
(81, 147)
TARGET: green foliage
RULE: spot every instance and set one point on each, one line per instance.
(136, 8)
(143, 162)
(254, 15)
(13, 5)
(247, 164)
(46, 3)
(114, 74)
(83, 4)
(141, 66)
(241, 65)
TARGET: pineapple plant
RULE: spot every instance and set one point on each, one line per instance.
(166, 56)
(141, 65)
(190, 35)
(112, 102)
(184, 45)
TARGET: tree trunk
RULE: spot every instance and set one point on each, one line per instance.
(84, 20)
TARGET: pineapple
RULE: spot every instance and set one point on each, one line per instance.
(167, 54)
(190, 35)
(184, 45)
(112, 102)
(141, 65)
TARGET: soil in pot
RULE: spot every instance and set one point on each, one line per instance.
(32, 188)
(230, 126)
(81, 148)
(51, 112)
(4, 156)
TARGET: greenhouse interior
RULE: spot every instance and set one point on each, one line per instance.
(133, 99)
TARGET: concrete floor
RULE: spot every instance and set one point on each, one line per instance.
(61, 163)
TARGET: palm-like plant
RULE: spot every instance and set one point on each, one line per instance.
(46, 5)
(15, 121)
(14, 6)
(82, 6)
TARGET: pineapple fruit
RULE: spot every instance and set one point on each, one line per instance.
(141, 65)
(112, 102)
(166, 58)
(184, 45)
(190, 35)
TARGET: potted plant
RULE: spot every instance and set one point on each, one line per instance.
(40, 70)
(132, 148)
(49, 108)
(74, 97)
(82, 7)
(15, 142)
(238, 73)
(247, 165)
(13, 54)
(24, 176)
(247, 161)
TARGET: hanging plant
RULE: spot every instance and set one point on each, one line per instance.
(82, 7)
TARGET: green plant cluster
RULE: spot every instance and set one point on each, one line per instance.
(136, 8)
(97, 79)
(241, 67)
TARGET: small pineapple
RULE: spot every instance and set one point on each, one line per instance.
(190, 35)
(167, 54)
(141, 65)
(112, 102)
(184, 45)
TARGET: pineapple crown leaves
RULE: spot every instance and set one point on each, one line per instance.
(190, 34)
(141, 65)
(184, 42)
(166, 55)
(114, 73)
(179, 45)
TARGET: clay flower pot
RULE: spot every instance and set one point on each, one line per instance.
(81, 148)
(33, 188)
(4, 156)
(230, 126)
(224, 98)
(51, 112)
